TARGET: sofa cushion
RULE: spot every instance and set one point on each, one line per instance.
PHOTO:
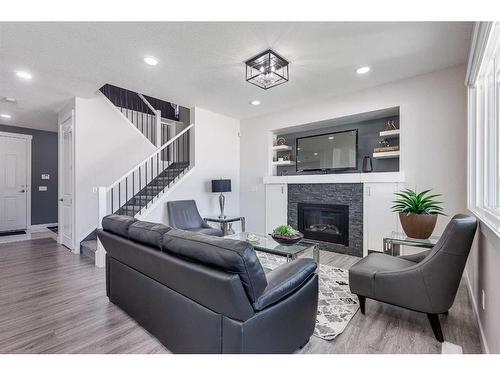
(231, 256)
(117, 224)
(148, 233)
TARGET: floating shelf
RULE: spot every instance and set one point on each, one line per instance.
(284, 162)
(386, 155)
(282, 148)
(390, 133)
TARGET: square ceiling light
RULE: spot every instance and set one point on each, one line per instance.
(266, 70)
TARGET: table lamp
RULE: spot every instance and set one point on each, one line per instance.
(221, 186)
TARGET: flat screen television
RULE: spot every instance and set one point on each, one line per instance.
(331, 151)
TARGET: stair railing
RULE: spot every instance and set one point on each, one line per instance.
(139, 111)
(137, 189)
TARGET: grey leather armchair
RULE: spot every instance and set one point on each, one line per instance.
(425, 282)
(184, 215)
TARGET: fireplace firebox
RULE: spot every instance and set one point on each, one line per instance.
(324, 222)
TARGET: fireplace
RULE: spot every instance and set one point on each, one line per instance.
(324, 222)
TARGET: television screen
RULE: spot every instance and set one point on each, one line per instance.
(327, 151)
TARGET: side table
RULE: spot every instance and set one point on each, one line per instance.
(224, 222)
(393, 242)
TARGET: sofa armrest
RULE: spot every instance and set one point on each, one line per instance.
(285, 280)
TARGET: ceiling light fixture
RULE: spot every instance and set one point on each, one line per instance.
(331, 137)
(5, 115)
(150, 60)
(24, 75)
(9, 100)
(255, 102)
(266, 70)
(315, 154)
(363, 70)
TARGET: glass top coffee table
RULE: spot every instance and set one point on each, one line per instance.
(266, 244)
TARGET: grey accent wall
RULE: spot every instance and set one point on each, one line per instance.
(44, 148)
(368, 138)
(348, 194)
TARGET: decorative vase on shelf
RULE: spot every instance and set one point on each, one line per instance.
(367, 164)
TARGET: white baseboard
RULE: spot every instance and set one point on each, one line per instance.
(42, 226)
(484, 343)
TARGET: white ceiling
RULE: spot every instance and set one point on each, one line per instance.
(202, 63)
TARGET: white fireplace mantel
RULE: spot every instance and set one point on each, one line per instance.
(338, 178)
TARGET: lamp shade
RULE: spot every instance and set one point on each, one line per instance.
(221, 186)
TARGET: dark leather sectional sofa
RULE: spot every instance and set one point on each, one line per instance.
(204, 294)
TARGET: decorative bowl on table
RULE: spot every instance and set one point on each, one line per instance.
(286, 235)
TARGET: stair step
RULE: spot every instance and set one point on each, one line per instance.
(88, 248)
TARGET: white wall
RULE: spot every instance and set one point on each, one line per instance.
(217, 155)
(482, 273)
(106, 147)
(433, 137)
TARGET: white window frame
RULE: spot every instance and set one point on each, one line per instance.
(483, 101)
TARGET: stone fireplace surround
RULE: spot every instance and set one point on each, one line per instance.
(350, 194)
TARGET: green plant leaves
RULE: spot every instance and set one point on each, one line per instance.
(423, 203)
(285, 230)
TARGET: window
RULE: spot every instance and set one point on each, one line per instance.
(484, 134)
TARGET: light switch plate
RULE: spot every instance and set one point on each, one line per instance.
(45, 176)
(42, 188)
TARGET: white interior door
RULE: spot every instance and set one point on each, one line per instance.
(66, 226)
(13, 183)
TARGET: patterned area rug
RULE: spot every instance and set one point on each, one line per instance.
(336, 304)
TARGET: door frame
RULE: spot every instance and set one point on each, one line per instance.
(68, 116)
(29, 139)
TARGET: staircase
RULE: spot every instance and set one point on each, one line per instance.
(138, 189)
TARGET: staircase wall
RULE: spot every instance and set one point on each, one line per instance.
(106, 147)
(216, 155)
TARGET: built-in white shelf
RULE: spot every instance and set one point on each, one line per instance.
(336, 178)
(386, 155)
(390, 133)
(283, 162)
(282, 148)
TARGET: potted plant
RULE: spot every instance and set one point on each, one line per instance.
(417, 212)
(285, 234)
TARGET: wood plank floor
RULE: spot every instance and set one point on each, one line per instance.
(52, 301)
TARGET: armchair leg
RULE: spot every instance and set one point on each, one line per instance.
(436, 326)
(362, 303)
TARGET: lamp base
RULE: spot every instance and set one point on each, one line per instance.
(222, 201)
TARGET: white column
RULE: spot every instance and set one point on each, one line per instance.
(100, 254)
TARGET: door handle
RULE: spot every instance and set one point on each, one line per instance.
(60, 199)
(23, 191)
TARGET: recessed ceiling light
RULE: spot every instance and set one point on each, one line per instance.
(331, 137)
(363, 70)
(150, 60)
(315, 154)
(24, 75)
(9, 100)
(255, 102)
(5, 115)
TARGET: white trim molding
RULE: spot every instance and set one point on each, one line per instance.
(482, 126)
(480, 37)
